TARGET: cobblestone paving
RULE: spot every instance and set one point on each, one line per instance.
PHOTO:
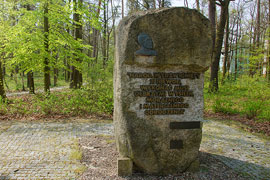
(43, 150)
(242, 151)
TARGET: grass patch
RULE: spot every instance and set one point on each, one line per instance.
(249, 97)
(76, 153)
(94, 98)
(5, 126)
(80, 169)
(81, 102)
(15, 83)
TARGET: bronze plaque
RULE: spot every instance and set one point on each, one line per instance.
(176, 144)
(185, 125)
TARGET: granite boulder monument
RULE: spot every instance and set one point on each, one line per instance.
(160, 60)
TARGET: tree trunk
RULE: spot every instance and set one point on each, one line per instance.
(55, 69)
(252, 43)
(96, 33)
(79, 35)
(46, 45)
(108, 33)
(258, 29)
(212, 18)
(230, 57)
(113, 22)
(69, 72)
(16, 72)
(186, 3)
(162, 3)
(30, 82)
(198, 5)
(213, 85)
(263, 64)
(123, 3)
(226, 50)
(73, 78)
(67, 59)
(55, 76)
(5, 82)
(236, 48)
(2, 89)
(240, 58)
(104, 44)
(154, 4)
(30, 74)
(268, 73)
(229, 60)
(65, 70)
(22, 76)
(76, 81)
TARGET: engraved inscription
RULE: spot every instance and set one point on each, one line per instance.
(164, 93)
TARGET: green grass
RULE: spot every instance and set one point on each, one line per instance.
(15, 83)
(95, 97)
(67, 102)
(249, 97)
(91, 99)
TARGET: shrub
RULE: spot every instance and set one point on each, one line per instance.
(223, 105)
(265, 114)
(247, 96)
(252, 108)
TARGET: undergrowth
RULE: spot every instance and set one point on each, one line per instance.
(67, 102)
(95, 97)
(249, 97)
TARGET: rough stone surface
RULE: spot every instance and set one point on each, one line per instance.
(124, 166)
(181, 37)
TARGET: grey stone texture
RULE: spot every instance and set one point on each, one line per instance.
(180, 36)
(182, 39)
(124, 166)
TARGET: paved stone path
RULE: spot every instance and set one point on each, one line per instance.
(44, 150)
(241, 151)
(39, 91)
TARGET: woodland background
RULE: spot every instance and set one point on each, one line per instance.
(70, 44)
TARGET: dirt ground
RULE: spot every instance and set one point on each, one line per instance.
(100, 159)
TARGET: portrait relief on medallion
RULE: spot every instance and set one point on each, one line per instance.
(146, 44)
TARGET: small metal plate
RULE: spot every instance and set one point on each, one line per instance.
(176, 144)
(185, 125)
